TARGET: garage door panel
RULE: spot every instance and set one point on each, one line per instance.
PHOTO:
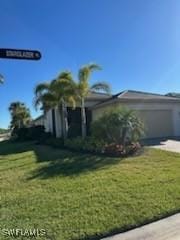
(158, 123)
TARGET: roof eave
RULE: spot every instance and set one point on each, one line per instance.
(130, 100)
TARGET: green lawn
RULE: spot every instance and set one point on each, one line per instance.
(76, 196)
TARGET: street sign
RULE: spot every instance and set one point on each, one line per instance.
(20, 54)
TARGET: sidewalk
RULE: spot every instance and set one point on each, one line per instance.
(165, 229)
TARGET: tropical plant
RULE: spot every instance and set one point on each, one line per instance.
(59, 92)
(83, 88)
(119, 126)
(20, 115)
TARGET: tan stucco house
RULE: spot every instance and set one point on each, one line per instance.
(39, 121)
(160, 113)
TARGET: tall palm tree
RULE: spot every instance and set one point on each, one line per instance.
(83, 88)
(58, 92)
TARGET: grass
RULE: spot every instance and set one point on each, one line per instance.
(78, 196)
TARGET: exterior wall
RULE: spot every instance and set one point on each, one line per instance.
(48, 122)
(158, 123)
(173, 107)
(58, 123)
(39, 122)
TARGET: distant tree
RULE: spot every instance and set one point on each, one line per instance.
(2, 130)
(20, 115)
(173, 94)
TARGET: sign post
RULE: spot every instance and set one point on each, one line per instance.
(20, 54)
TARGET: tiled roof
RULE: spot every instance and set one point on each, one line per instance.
(131, 94)
(39, 117)
(98, 95)
(135, 96)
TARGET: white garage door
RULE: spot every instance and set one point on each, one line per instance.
(158, 123)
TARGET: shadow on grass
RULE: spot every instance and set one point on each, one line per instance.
(8, 147)
(63, 162)
(57, 161)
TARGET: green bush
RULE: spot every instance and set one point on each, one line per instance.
(88, 144)
(31, 133)
(36, 132)
(93, 145)
(119, 126)
(74, 130)
(55, 142)
(45, 136)
(20, 134)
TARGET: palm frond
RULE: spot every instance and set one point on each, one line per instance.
(47, 99)
(94, 66)
(84, 75)
(40, 88)
(101, 86)
(65, 75)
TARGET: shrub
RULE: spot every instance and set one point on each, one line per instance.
(35, 132)
(88, 144)
(117, 150)
(20, 134)
(93, 145)
(31, 133)
(118, 126)
(74, 130)
(74, 143)
(55, 142)
(45, 136)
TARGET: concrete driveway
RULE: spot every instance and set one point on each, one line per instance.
(168, 145)
(4, 137)
(165, 229)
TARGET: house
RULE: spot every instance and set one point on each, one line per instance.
(52, 121)
(160, 113)
(39, 121)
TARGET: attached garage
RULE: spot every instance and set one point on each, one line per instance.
(160, 114)
(158, 123)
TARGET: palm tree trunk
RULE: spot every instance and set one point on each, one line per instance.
(83, 118)
(64, 120)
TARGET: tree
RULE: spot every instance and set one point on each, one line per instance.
(120, 126)
(59, 92)
(20, 115)
(83, 88)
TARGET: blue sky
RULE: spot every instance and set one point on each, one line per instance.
(137, 43)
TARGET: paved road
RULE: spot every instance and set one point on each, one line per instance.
(166, 229)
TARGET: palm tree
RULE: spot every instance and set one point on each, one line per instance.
(20, 115)
(58, 92)
(83, 88)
